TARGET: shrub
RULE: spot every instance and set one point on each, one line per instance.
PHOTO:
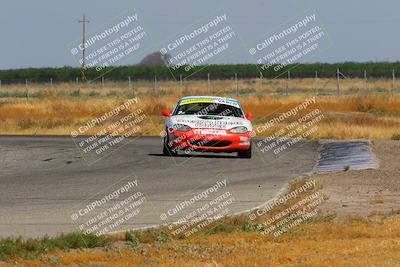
(93, 94)
(164, 237)
(396, 136)
(31, 248)
(132, 239)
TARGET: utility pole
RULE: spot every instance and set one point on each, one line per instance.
(83, 21)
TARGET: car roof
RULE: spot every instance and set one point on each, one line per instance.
(206, 96)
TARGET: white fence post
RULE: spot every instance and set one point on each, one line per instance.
(393, 81)
(155, 85)
(338, 81)
(77, 85)
(316, 83)
(181, 83)
(26, 89)
(365, 80)
(237, 85)
(208, 83)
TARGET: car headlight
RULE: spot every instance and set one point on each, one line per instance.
(239, 129)
(181, 128)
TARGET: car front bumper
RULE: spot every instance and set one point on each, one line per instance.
(208, 140)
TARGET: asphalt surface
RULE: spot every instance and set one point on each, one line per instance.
(43, 180)
(338, 156)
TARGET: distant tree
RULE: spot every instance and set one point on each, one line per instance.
(155, 59)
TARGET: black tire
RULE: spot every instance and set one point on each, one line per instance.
(245, 153)
(167, 151)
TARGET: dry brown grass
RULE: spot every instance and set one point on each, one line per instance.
(377, 201)
(353, 242)
(56, 112)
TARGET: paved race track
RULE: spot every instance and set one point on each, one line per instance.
(43, 180)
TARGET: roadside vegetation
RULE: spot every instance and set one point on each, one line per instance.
(32, 248)
(352, 242)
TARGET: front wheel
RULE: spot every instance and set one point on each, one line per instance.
(245, 153)
(167, 151)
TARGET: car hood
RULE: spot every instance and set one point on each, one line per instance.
(208, 121)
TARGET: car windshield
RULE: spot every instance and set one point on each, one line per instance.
(204, 109)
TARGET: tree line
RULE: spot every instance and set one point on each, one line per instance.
(139, 72)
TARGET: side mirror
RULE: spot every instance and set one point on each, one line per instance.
(249, 116)
(166, 113)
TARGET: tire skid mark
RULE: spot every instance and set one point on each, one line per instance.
(338, 156)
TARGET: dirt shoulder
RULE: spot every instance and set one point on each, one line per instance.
(366, 193)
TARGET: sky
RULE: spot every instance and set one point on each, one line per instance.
(39, 33)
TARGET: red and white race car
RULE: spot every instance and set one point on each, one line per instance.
(207, 124)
